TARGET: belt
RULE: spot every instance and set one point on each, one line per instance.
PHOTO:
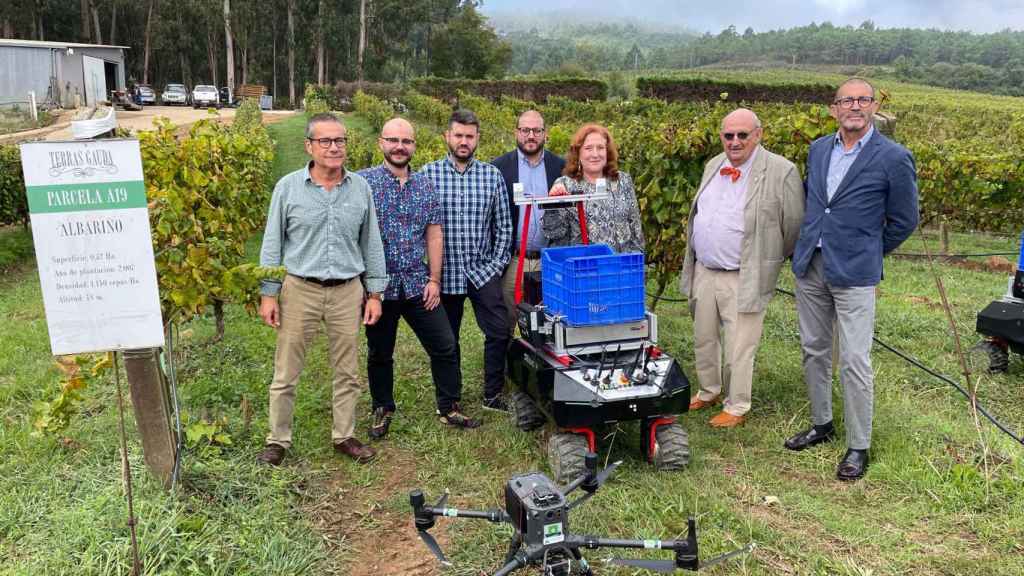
(529, 254)
(325, 282)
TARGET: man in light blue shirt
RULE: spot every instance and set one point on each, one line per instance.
(536, 169)
(322, 227)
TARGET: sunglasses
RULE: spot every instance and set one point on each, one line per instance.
(741, 135)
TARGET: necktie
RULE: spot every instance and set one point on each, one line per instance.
(733, 173)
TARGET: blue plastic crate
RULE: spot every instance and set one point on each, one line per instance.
(593, 285)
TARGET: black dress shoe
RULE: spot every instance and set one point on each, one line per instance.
(853, 465)
(810, 437)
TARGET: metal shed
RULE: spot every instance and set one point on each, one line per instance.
(63, 73)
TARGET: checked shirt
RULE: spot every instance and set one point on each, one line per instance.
(477, 223)
(404, 212)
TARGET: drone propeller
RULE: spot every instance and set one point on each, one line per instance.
(433, 546)
(669, 566)
(603, 475)
(424, 520)
(442, 501)
(592, 481)
(664, 566)
(726, 556)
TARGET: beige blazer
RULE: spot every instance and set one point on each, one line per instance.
(771, 223)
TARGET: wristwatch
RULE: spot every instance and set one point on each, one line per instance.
(374, 296)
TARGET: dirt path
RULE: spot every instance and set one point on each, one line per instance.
(381, 541)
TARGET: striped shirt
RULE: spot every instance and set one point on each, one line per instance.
(326, 234)
(477, 223)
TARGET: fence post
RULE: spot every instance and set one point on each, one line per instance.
(153, 414)
(32, 105)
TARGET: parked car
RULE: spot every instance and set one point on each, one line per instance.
(205, 95)
(146, 95)
(227, 96)
(174, 94)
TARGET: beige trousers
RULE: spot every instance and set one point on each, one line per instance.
(508, 286)
(724, 341)
(304, 306)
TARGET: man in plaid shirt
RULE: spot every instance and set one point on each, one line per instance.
(477, 240)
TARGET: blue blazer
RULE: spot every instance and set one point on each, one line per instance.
(872, 212)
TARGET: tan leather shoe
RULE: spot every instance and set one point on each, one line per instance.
(725, 420)
(355, 450)
(696, 403)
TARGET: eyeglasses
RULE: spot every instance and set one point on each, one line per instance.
(847, 102)
(741, 135)
(393, 141)
(325, 143)
(528, 131)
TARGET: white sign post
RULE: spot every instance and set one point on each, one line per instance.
(90, 226)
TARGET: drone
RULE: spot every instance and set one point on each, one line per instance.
(538, 510)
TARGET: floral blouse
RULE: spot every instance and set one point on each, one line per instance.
(614, 221)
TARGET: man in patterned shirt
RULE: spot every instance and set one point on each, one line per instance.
(478, 237)
(322, 228)
(409, 214)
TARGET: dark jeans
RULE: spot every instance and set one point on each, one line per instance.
(435, 335)
(492, 318)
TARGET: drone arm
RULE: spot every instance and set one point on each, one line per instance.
(491, 515)
(595, 542)
(574, 484)
(685, 550)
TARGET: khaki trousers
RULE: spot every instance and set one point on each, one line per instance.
(725, 341)
(508, 287)
(304, 306)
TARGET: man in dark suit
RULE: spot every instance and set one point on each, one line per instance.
(536, 169)
(861, 204)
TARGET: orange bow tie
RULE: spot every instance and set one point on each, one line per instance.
(733, 173)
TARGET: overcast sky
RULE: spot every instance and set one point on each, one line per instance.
(715, 15)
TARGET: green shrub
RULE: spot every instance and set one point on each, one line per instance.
(535, 89)
(710, 90)
(315, 106)
(208, 193)
(13, 203)
(375, 110)
(426, 109)
(248, 116)
(323, 93)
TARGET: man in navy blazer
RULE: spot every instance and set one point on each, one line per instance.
(536, 169)
(861, 204)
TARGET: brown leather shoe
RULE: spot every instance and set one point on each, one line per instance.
(696, 403)
(355, 450)
(272, 454)
(725, 420)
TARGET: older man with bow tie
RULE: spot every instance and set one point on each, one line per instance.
(743, 224)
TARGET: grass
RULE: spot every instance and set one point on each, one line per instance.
(935, 501)
(15, 246)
